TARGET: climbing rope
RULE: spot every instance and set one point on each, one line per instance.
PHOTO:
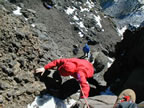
(84, 97)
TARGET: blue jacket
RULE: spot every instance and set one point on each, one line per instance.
(86, 48)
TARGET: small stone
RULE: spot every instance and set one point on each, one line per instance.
(1, 55)
(9, 94)
(21, 5)
(7, 71)
(32, 11)
(18, 80)
(3, 86)
(20, 35)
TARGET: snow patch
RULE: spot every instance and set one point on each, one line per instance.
(81, 24)
(110, 62)
(26, 19)
(90, 4)
(121, 31)
(136, 25)
(102, 30)
(70, 10)
(105, 16)
(141, 1)
(82, 27)
(17, 12)
(98, 19)
(84, 9)
(33, 25)
(75, 18)
(72, 23)
(80, 34)
(47, 100)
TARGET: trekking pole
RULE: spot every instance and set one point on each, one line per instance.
(84, 97)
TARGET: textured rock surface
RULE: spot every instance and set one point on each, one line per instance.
(124, 11)
(129, 60)
(103, 101)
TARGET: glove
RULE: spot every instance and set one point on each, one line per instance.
(40, 70)
(78, 77)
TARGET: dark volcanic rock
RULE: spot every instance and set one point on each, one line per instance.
(18, 59)
(129, 61)
(100, 61)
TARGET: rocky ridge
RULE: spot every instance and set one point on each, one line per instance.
(124, 12)
(19, 55)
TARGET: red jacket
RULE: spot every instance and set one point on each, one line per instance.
(73, 67)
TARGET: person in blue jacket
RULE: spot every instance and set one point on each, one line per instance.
(86, 50)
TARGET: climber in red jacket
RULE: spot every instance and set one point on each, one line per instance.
(80, 69)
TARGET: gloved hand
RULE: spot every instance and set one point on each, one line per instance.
(40, 70)
(78, 77)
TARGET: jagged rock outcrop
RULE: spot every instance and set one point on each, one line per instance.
(124, 12)
(129, 63)
(19, 54)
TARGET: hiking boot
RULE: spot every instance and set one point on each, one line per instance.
(127, 95)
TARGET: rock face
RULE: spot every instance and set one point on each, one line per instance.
(135, 82)
(124, 11)
(19, 54)
(104, 101)
(129, 61)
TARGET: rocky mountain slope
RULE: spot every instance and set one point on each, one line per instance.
(32, 35)
(124, 12)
